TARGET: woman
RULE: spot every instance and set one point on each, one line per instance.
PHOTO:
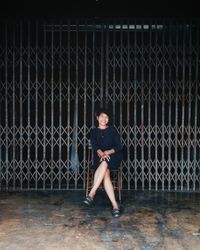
(107, 155)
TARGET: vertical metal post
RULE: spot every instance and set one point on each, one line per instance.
(142, 105)
(68, 102)
(114, 76)
(52, 108)
(6, 103)
(1, 126)
(76, 95)
(128, 104)
(36, 108)
(183, 111)
(14, 112)
(176, 112)
(156, 109)
(1, 140)
(170, 109)
(196, 107)
(121, 86)
(60, 108)
(107, 63)
(163, 110)
(44, 109)
(93, 74)
(28, 122)
(149, 109)
(21, 111)
(189, 113)
(102, 67)
(135, 108)
(85, 104)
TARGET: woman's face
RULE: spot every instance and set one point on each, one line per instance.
(103, 119)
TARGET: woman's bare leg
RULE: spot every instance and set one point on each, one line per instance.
(108, 186)
(98, 178)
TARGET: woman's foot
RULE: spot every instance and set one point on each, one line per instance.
(88, 200)
(115, 212)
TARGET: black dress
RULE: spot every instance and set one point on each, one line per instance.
(106, 139)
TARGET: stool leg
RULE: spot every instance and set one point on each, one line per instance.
(87, 185)
(119, 185)
(88, 171)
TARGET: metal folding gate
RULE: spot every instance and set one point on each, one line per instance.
(55, 74)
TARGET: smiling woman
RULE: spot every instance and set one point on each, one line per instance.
(107, 155)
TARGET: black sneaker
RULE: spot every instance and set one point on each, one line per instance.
(115, 212)
(88, 200)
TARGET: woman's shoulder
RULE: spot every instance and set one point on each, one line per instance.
(112, 128)
(114, 131)
(93, 130)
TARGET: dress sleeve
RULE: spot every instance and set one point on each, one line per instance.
(117, 141)
(94, 142)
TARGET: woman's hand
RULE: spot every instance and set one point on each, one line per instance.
(104, 157)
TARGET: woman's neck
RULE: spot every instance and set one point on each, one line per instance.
(102, 127)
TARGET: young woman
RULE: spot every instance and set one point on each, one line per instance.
(107, 155)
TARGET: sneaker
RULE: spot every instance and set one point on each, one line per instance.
(88, 200)
(115, 212)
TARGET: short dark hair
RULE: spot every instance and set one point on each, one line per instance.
(104, 111)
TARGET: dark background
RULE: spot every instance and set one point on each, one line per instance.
(99, 8)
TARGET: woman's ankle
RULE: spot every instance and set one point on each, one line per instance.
(92, 194)
(115, 205)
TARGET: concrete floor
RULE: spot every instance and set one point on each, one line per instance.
(59, 220)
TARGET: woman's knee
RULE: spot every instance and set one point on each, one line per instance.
(103, 165)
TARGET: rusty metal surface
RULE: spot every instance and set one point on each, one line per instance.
(59, 220)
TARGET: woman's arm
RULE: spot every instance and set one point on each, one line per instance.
(110, 151)
(116, 145)
(117, 141)
(94, 142)
(102, 155)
